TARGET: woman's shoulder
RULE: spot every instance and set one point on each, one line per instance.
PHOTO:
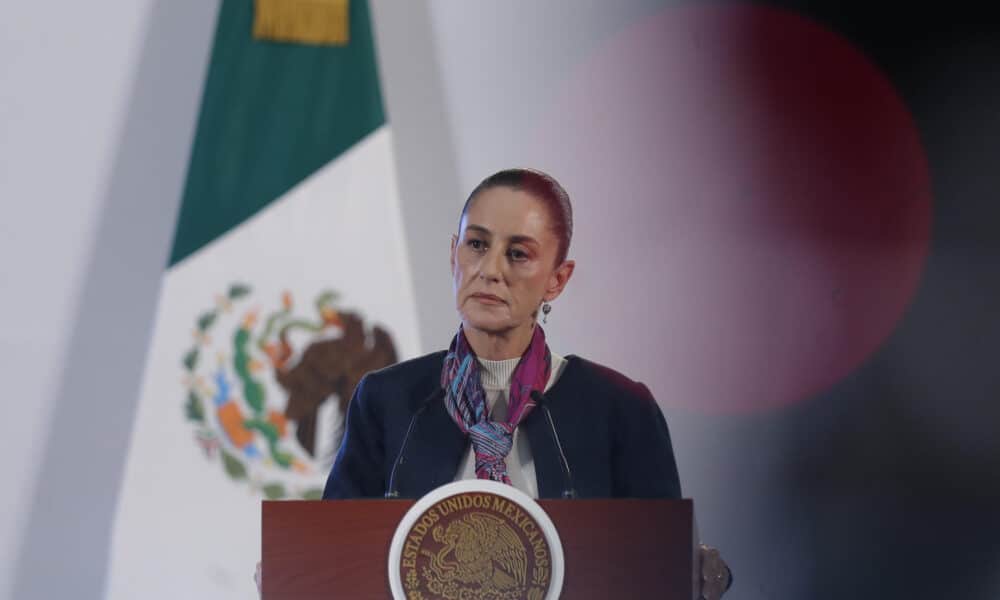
(410, 371)
(583, 374)
(411, 374)
(401, 385)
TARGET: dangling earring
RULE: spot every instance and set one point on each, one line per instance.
(546, 309)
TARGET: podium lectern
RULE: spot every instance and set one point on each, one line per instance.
(612, 548)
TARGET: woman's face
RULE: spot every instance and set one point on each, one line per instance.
(503, 261)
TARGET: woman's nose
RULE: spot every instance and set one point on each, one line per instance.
(491, 265)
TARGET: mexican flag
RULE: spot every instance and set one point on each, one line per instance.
(288, 280)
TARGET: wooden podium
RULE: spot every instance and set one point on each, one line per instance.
(613, 548)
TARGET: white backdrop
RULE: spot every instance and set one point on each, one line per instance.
(66, 74)
(97, 107)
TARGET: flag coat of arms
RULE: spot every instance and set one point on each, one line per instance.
(287, 281)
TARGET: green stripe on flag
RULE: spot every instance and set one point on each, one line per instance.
(271, 115)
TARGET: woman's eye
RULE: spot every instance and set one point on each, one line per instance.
(476, 244)
(517, 255)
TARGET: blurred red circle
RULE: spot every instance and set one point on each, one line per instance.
(753, 201)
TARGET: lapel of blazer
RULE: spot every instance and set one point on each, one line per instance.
(545, 453)
(435, 452)
(548, 473)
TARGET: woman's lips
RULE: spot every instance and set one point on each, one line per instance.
(488, 299)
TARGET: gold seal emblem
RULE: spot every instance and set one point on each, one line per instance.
(475, 545)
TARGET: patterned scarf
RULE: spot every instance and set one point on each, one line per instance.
(466, 401)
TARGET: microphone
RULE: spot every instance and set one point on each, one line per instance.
(392, 492)
(569, 491)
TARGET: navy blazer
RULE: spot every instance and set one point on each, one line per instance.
(612, 431)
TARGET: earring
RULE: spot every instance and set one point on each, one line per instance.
(546, 309)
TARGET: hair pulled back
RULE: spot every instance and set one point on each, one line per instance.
(545, 189)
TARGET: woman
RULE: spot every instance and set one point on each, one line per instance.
(508, 263)
(472, 411)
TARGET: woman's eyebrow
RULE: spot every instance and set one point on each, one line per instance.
(514, 239)
(523, 239)
(479, 229)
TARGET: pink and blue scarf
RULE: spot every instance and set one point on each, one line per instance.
(466, 401)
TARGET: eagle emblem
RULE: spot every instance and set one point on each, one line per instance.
(479, 549)
(267, 391)
(476, 545)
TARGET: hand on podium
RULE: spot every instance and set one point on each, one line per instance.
(715, 574)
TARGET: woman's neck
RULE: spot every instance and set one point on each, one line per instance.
(491, 345)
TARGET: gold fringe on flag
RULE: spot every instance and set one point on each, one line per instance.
(316, 22)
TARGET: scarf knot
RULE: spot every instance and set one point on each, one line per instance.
(466, 403)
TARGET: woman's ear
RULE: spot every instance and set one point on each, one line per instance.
(451, 255)
(560, 277)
